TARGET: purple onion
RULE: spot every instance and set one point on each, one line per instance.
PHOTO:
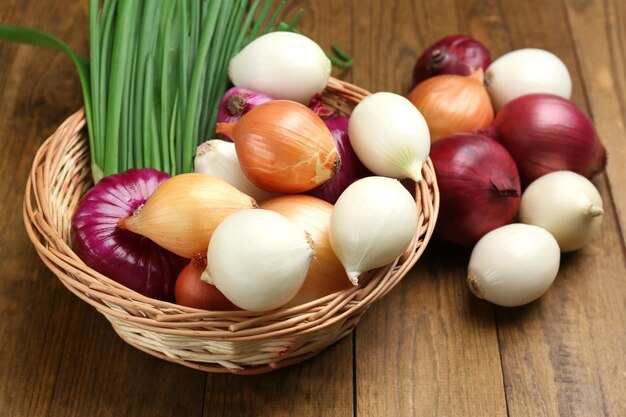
(128, 258)
(238, 101)
(454, 54)
(351, 168)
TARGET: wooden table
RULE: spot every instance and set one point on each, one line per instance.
(429, 348)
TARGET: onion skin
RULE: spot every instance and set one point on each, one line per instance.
(130, 259)
(284, 147)
(454, 54)
(183, 212)
(479, 187)
(326, 274)
(351, 168)
(546, 133)
(238, 101)
(453, 104)
(191, 291)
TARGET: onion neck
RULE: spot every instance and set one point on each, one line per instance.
(490, 132)
(503, 189)
(236, 105)
(474, 286)
(225, 129)
(594, 211)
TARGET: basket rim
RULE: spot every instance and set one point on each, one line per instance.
(66, 147)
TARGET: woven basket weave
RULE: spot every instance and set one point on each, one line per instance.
(240, 342)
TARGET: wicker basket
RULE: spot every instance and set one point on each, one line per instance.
(240, 342)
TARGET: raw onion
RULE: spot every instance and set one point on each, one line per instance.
(351, 168)
(454, 54)
(126, 257)
(546, 133)
(479, 186)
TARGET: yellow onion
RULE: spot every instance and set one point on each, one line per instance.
(326, 274)
(453, 104)
(183, 212)
(283, 147)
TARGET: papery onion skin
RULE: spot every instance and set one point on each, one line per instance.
(546, 133)
(479, 187)
(513, 265)
(372, 223)
(454, 54)
(191, 291)
(258, 259)
(390, 136)
(183, 212)
(238, 101)
(218, 158)
(284, 147)
(130, 259)
(284, 65)
(453, 104)
(526, 71)
(567, 205)
(326, 274)
(351, 168)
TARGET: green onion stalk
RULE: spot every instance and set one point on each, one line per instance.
(156, 73)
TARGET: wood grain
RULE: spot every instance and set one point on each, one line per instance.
(37, 90)
(322, 386)
(600, 43)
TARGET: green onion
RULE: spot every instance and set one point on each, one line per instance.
(158, 71)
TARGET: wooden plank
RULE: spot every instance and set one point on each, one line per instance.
(98, 366)
(554, 351)
(37, 89)
(600, 39)
(321, 386)
(428, 347)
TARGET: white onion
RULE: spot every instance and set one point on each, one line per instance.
(284, 65)
(526, 71)
(258, 259)
(567, 205)
(513, 264)
(372, 223)
(218, 158)
(390, 136)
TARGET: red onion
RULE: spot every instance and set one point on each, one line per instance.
(454, 54)
(479, 186)
(351, 168)
(128, 258)
(546, 133)
(317, 105)
(238, 101)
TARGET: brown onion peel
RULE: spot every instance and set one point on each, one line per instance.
(284, 147)
(326, 274)
(453, 104)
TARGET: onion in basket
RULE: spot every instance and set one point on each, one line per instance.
(372, 223)
(258, 259)
(128, 258)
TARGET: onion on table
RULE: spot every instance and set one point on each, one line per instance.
(479, 187)
(546, 133)
(453, 54)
